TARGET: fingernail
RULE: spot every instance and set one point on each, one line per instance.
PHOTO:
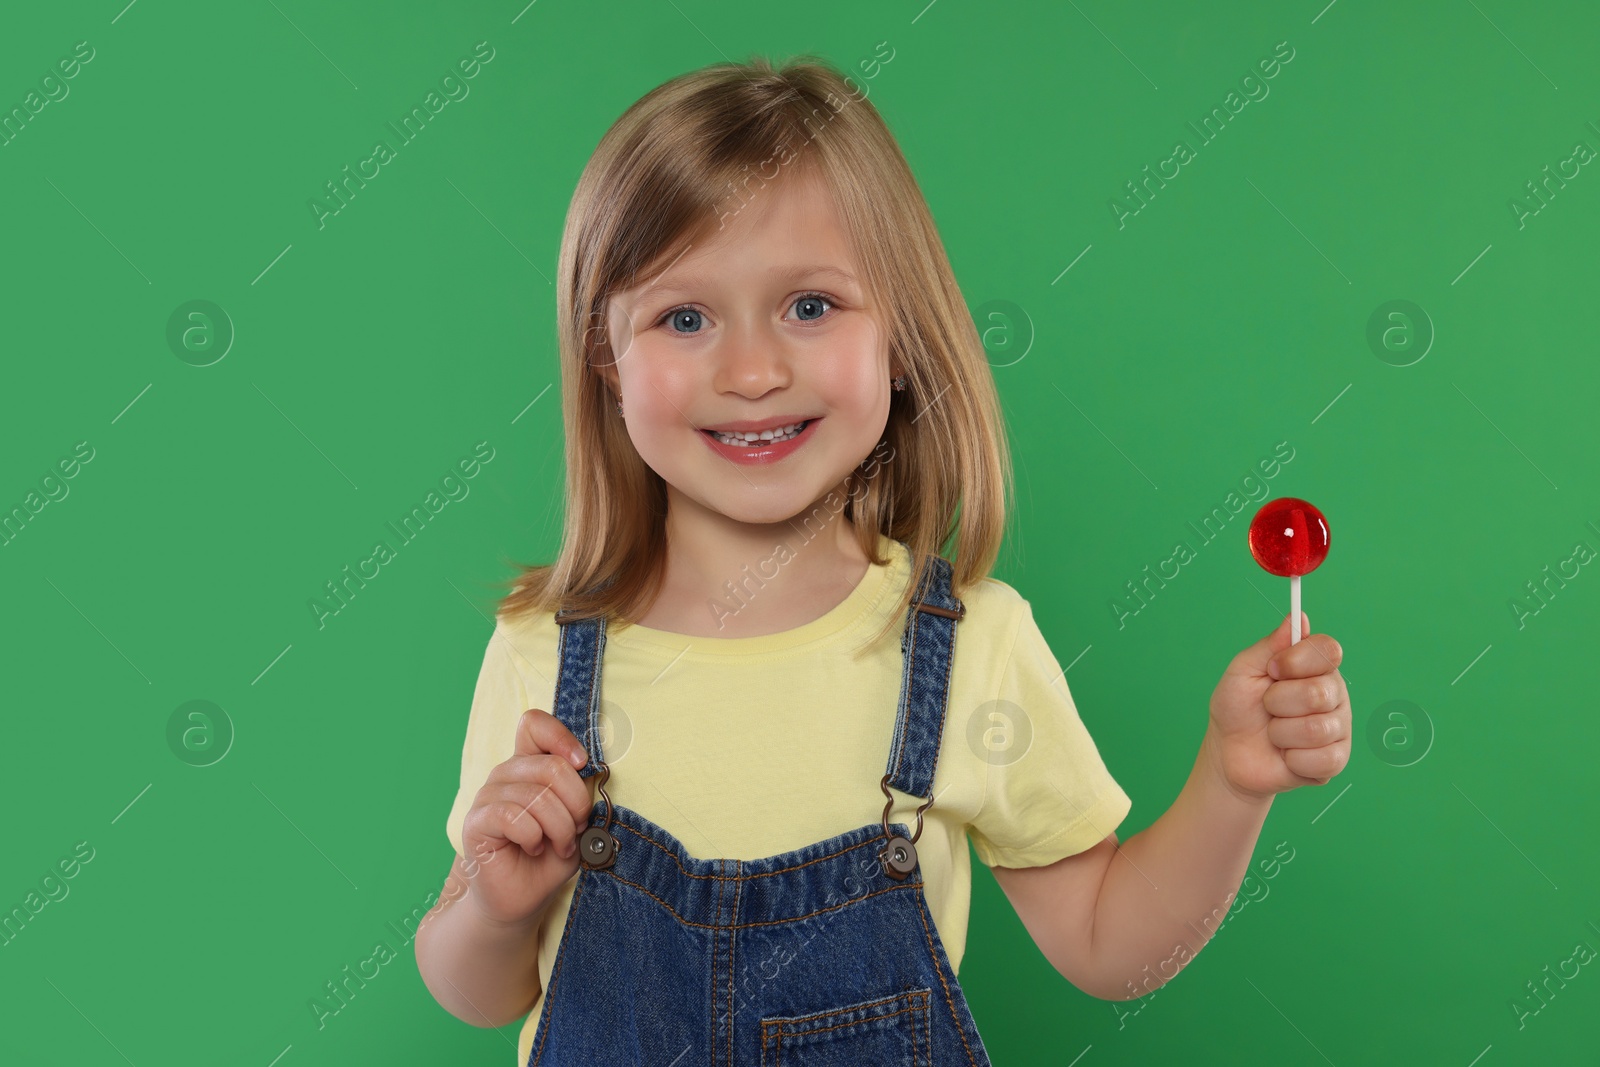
(1272, 668)
(577, 756)
(566, 853)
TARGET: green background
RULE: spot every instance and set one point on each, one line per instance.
(1435, 878)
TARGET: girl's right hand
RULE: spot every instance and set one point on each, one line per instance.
(521, 833)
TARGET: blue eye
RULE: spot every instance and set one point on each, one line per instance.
(684, 316)
(812, 301)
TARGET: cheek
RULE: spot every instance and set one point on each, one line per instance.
(659, 389)
(849, 370)
(639, 366)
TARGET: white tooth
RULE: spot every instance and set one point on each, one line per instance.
(751, 437)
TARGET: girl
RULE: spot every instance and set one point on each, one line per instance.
(725, 754)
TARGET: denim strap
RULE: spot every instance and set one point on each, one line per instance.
(581, 649)
(928, 649)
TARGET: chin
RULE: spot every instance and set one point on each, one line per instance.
(768, 513)
(773, 506)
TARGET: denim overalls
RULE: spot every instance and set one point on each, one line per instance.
(823, 956)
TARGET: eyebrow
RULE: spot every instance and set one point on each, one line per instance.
(782, 274)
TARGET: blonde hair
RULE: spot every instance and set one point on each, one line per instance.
(668, 173)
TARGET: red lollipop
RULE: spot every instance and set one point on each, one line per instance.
(1289, 537)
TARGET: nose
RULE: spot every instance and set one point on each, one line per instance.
(751, 361)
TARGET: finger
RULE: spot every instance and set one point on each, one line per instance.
(483, 850)
(1318, 765)
(1316, 654)
(1253, 661)
(1304, 696)
(1307, 731)
(539, 803)
(539, 731)
(546, 771)
(504, 819)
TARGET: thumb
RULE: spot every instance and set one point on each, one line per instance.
(1259, 657)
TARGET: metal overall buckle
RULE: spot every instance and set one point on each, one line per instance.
(899, 855)
(597, 847)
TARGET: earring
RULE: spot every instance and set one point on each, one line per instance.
(619, 405)
(899, 383)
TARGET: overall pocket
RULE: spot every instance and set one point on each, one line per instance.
(888, 1031)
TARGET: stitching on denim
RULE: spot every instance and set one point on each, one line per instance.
(780, 1023)
(925, 1013)
(916, 1002)
(911, 1009)
(722, 885)
(749, 877)
(910, 697)
(927, 1040)
(915, 623)
(955, 1017)
(596, 649)
(944, 707)
(765, 922)
(934, 591)
(549, 994)
(562, 681)
(737, 887)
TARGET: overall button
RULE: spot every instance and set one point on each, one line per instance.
(597, 848)
(899, 857)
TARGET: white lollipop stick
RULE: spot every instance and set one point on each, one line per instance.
(1294, 609)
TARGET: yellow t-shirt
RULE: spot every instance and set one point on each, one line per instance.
(747, 747)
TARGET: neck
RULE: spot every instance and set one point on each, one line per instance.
(725, 578)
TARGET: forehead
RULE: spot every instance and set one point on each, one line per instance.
(787, 231)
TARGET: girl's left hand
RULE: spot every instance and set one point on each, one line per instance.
(1280, 717)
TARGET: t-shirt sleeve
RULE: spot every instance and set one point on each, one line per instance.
(498, 700)
(1048, 793)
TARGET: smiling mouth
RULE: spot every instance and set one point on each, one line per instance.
(771, 437)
